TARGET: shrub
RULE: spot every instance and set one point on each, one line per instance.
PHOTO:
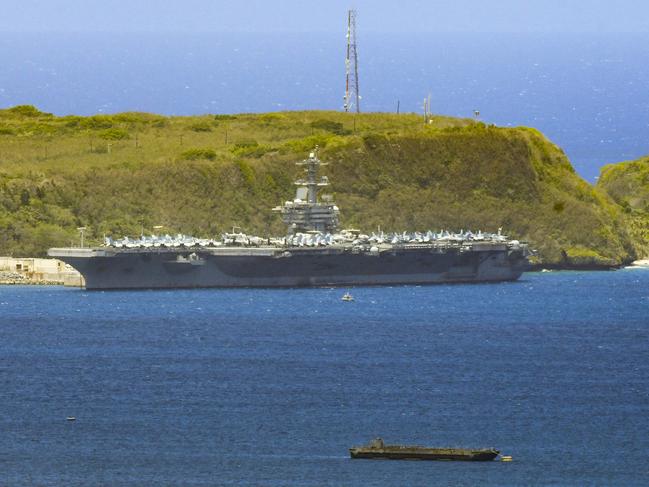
(198, 153)
(249, 148)
(247, 172)
(160, 123)
(96, 122)
(374, 140)
(201, 126)
(245, 143)
(306, 144)
(72, 121)
(113, 134)
(330, 126)
(135, 117)
(32, 128)
(251, 151)
(28, 111)
(268, 119)
(42, 236)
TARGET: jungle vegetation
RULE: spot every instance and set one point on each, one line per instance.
(628, 184)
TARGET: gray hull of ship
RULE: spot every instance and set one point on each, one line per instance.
(259, 267)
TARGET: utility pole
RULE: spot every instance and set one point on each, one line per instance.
(352, 96)
(81, 232)
(425, 111)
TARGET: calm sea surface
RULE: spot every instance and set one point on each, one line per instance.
(271, 387)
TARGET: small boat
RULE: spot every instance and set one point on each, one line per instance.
(347, 297)
(378, 449)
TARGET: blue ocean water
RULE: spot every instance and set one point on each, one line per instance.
(271, 387)
(587, 92)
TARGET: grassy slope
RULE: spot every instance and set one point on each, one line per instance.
(115, 174)
(628, 185)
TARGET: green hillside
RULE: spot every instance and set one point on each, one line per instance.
(628, 185)
(119, 174)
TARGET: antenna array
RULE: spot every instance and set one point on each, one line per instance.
(352, 97)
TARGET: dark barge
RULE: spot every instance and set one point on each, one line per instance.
(377, 449)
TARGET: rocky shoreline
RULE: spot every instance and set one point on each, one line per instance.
(574, 267)
(9, 278)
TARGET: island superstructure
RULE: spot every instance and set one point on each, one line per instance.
(312, 253)
(305, 213)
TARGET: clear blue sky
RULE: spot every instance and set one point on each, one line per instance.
(324, 15)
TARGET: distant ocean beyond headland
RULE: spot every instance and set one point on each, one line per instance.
(586, 92)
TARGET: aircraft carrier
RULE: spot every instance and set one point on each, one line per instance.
(313, 253)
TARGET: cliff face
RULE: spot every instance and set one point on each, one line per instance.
(125, 173)
(486, 178)
(628, 184)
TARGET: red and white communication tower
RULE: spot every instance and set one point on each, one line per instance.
(352, 98)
